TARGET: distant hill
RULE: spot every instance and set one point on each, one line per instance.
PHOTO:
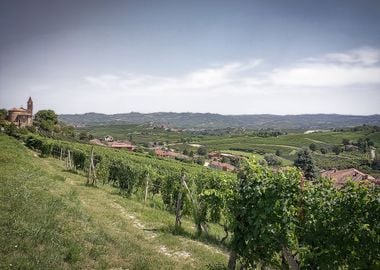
(213, 121)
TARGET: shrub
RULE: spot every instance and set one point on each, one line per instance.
(272, 160)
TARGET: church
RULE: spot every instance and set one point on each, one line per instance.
(22, 117)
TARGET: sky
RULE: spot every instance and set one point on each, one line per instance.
(227, 57)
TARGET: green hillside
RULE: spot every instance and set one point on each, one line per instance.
(50, 220)
(212, 121)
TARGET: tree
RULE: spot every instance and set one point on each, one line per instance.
(83, 135)
(336, 149)
(376, 163)
(202, 151)
(272, 160)
(45, 120)
(225, 159)
(200, 161)
(323, 150)
(3, 114)
(345, 141)
(305, 162)
(278, 152)
(11, 129)
(313, 147)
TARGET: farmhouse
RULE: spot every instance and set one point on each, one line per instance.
(214, 155)
(22, 117)
(169, 154)
(222, 166)
(122, 145)
(341, 177)
(108, 138)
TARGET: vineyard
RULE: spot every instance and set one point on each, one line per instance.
(268, 218)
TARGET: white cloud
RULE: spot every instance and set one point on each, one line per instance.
(325, 75)
(361, 56)
(352, 68)
(355, 67)
(206, 79)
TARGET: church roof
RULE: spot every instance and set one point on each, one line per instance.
(17, 110)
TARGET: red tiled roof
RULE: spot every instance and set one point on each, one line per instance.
(122, 145)
(340, 177)
(223, 166)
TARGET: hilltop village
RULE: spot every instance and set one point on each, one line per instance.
(22, 117)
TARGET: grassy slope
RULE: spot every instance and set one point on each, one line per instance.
(50, 220)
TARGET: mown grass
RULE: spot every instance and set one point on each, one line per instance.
(50, 220)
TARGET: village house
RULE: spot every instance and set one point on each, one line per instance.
(341, 177)
(22, 117)
(122, 145)
(169, 154)
(108, 138)
(214, 155)
(222, 166)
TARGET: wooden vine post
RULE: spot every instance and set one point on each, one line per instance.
(91, 177)
(69, 164)
(179, 203)
(146, 187)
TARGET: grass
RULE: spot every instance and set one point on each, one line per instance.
(50, 220)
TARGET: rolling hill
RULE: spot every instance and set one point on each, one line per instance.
(213, 121)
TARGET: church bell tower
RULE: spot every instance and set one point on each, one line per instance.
(30, 105)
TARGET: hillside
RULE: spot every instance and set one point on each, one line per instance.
(50, 220)
(211, 121)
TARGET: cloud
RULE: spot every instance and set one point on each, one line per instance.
(352, 68)
(359, 67)
(191, 83)
(361, 56)
(325, 75)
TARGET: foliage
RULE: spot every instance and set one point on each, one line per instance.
(202, 151)
(265, 210)
(345, 141)
(272, 160)
(376, 163)
(45, 120)
(318, 226)
(11, 129)
(83, 136)
(340, 227)
(336, 149)
(313, 147)
(305, 162)
(3, 114)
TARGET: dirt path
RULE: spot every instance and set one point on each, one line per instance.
(316, 141)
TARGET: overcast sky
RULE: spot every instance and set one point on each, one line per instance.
(229, 57)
